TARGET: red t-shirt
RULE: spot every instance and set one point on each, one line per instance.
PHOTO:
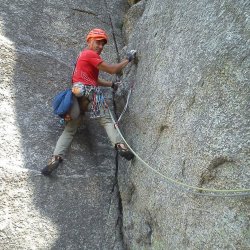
(86, 70)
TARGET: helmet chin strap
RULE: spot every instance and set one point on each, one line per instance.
(90, 44)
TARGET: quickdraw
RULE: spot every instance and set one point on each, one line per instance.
(98, 104)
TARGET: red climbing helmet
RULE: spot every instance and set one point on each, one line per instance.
(97, 34)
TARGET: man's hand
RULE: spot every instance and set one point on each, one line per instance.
(67, 117)
(131, 55)
(115, 85)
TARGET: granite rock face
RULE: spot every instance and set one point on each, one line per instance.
(189, 119)
(78, 207)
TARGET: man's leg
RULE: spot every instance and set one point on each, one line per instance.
(62, 146)
(115, 137)
(64, 140)
(108, 125)
(66, 137)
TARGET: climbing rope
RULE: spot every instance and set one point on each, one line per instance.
(126, 105)
(225, 192)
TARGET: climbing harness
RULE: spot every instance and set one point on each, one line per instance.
(95, 96)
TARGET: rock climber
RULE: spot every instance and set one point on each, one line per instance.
(88, 96)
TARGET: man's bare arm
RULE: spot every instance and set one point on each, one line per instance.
(113, 68)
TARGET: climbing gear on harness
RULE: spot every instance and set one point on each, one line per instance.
(53, 164)
(95, 97)
(131, 55)
(97, 34)
(124, 151)
(79, 89)
(62, 122)
(62, 102)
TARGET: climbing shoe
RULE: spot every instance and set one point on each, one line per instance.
(124, 151)
(53, 164)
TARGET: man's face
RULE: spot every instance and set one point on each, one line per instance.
(96, 45)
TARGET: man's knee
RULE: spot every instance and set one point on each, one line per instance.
(72, 126)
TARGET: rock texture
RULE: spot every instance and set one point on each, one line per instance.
(189, 119)
(77, 208)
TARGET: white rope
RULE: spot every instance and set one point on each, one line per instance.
(125, 107)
